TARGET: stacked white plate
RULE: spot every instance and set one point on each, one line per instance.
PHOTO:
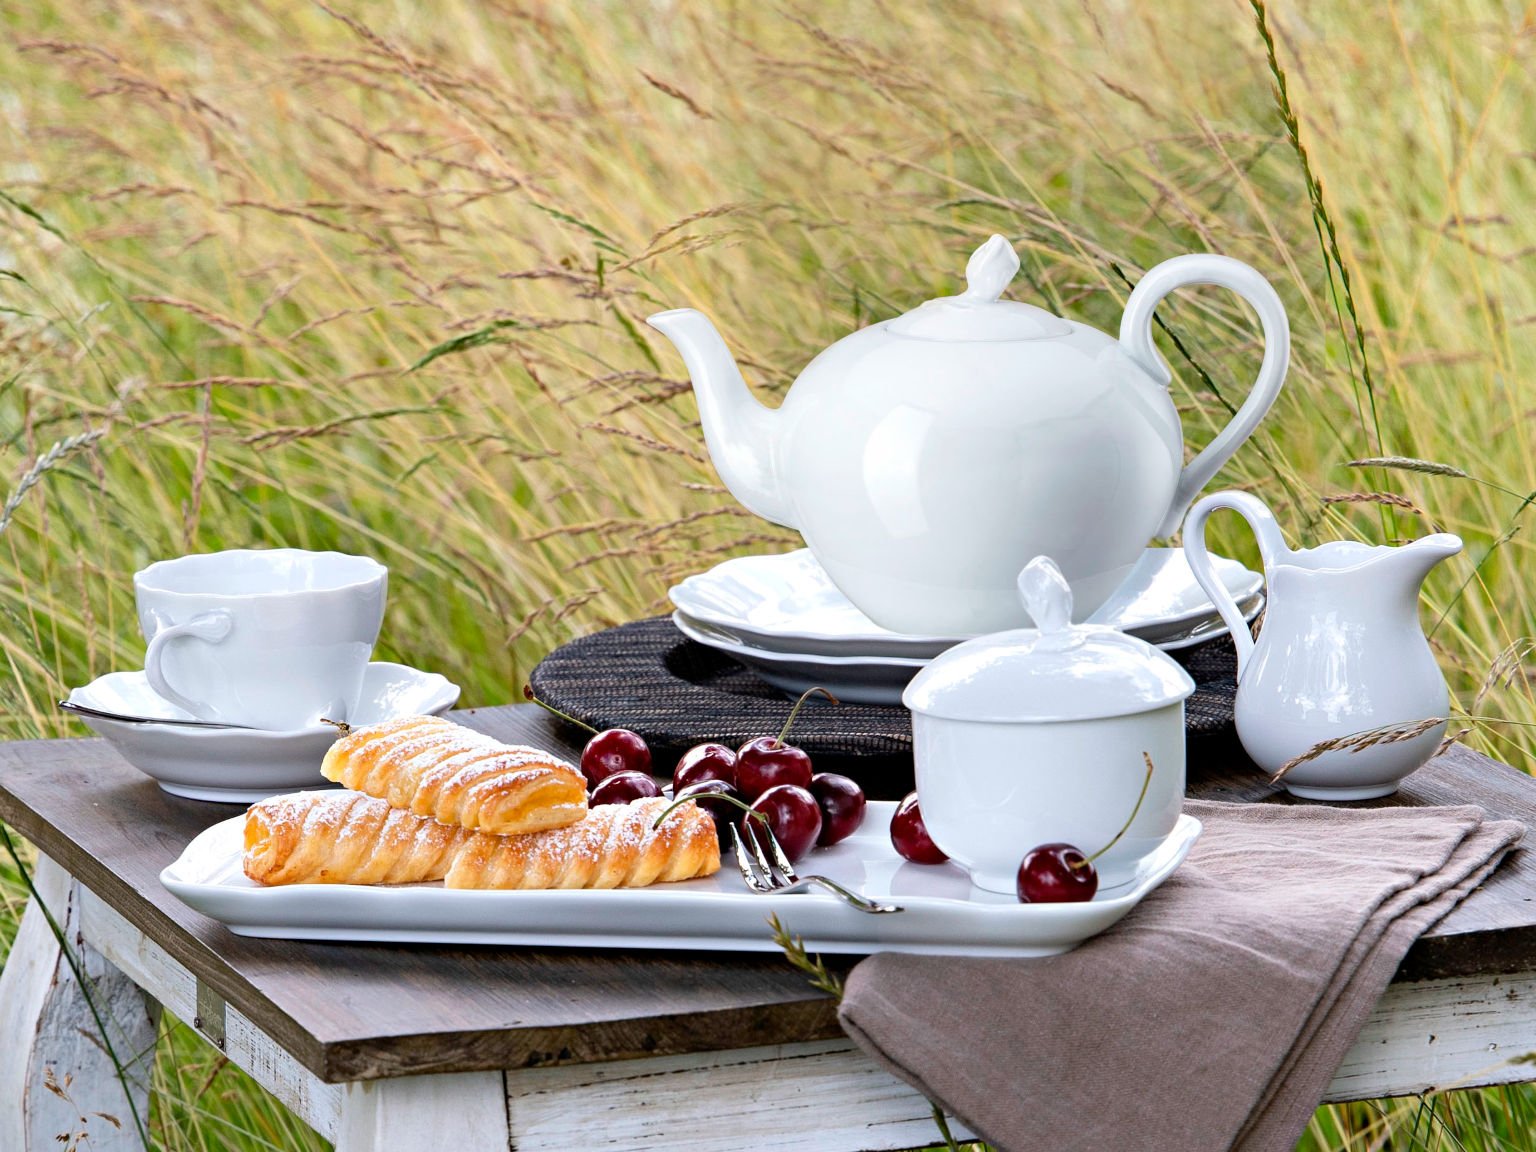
(783, 617)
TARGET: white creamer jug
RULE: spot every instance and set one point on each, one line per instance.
(1340, 653)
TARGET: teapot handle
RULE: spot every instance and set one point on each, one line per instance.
(1136, 339)
(1272, 550)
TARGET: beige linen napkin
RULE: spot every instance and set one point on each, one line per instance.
(1213, 1016)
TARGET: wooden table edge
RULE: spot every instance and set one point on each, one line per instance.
(814, 1018)
(343, 1059)
(185, 949)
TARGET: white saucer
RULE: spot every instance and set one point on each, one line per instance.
(786, 603)
(237, 765)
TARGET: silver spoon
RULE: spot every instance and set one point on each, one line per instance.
(102, 714)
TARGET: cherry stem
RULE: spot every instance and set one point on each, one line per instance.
(778, 741)
(678, 803)
(550, 708)
(340, 725)
(1126, 827)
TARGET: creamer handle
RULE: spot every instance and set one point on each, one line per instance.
(1272, 549)
(1136, 338)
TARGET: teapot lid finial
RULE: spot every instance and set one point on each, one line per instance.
(980, 313)
(990, 269)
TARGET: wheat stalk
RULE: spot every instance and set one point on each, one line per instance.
(823, 978)
(1504, 667)
(1327, 233)
(1359, 741)
(1410, 464)
(1450, 741)
(678, 94)
(41, 467)
(793, 947)
(1391, 499)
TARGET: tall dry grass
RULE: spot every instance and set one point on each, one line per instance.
(373, 277)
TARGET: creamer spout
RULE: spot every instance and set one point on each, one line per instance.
(741, 433)
(1417, 558)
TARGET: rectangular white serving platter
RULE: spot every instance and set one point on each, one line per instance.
(942, 912)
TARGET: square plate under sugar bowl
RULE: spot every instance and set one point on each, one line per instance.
(1058, 733)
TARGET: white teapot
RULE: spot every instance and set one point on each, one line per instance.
(927, 458)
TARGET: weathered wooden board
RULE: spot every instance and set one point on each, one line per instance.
(1436, 1035)
(151, 968)
(58, 1086)
(789, 1098)
(463, 1111)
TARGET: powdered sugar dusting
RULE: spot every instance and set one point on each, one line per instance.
(369, 841)
(294, 806)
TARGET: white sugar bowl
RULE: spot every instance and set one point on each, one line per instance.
(1036, 736)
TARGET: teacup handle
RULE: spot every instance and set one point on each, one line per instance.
(1136, 338)
(1272, 549)
(210, 627)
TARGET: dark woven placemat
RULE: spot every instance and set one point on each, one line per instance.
(648, 677)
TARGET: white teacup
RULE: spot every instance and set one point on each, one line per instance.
(270, 639)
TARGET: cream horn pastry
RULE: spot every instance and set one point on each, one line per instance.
(434, 767)
(351, 838)
(344, 838)
(615, 846)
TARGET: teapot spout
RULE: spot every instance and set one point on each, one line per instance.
(742, 434)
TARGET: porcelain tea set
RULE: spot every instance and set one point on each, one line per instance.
(978, 465)
(977, 482)
(247, 651)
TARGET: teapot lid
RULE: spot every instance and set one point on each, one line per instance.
(978, 313)
(1055, 671)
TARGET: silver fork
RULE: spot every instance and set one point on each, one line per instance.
(764, 875)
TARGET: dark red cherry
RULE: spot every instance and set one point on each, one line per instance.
(793, 816)
(1061, 873)
(614, 750)
(909, 835)
(609, 751)
(842, 807)
(622, 787)
(707, 794)
(704, 762)
(767, 762)
(1056, 874)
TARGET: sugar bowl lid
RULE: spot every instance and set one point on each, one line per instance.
(1055, 671)
(980, 313)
